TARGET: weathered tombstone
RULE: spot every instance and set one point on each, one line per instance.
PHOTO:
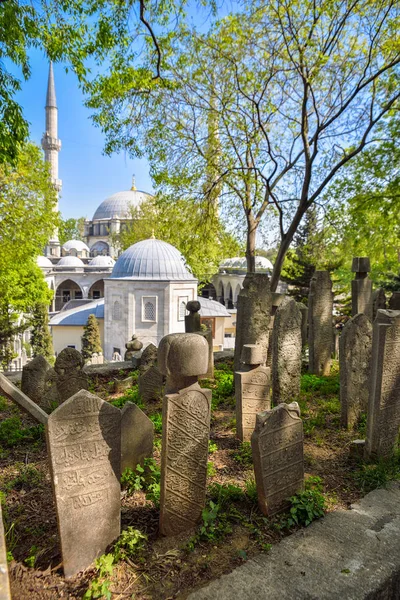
(277, 300)
(148, 359)
(70, 375)
(34, 377)
(84, 447)
(355, 369)
(192, 320)
(121, 385)
(304, 323)
(286, 352)
(51, 397)
(207, 334)
(378, 301)
(182, 357)
(361, 288)
(383, 419)
(277, 447)
(137, 436)
(254, 309)
(252, 390)
(394, 301)
(151, 384)
(320, 308)
(5, 593)
(134, 345)
(11, 391)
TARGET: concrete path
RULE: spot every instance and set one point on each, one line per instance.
(348, 555)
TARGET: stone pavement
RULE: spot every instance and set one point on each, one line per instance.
(351, 555)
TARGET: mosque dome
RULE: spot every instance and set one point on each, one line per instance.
(102, 261)
(70, 261)
(239, 263)
(152, 259)
(43, 261)
(120, 204)
(75, 245)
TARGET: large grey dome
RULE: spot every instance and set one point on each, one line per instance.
(151, 259)
(120, 204)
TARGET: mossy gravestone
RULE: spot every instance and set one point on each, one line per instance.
(34, 378)
(137, 436)
(70, 376)
(320, 328)
(84, 447)
(286, 352)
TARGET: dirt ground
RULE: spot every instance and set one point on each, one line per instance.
(164, 568)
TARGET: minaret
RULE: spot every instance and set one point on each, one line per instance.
(52, 146)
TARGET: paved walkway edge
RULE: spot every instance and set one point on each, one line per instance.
(347, 555)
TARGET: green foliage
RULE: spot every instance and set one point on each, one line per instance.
(322, 385)
(224, 494)
(251, 489)
(157, 420)
(215, 525)
(41, 339)
(221, 386)
(100, 585)
(131, 395)
(324, 391)
(12, 432)
(31, 558)
(71, 229)
(28, 478)
(131, 543)
(306, 506)
(243, 455)
(211, 470)
(146, 478)
(212, 447)
(3, 403)
(91, 341)
(373, 475)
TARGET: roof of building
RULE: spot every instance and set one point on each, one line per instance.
(239, 263)
(212, 308)
(120, 204)
(43, 261)
(80, 314)
(152, 260)
(75, 245)
(70, 261)
(102, 261)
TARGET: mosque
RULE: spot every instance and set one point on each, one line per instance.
(144, 290)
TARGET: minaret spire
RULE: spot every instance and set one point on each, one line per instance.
(52, 146)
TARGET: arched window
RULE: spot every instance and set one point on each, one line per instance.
(182, 310)
(149, 308)
(117, 313)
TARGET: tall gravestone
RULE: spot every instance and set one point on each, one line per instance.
(286, 352)
(277, 447)
(361, 288)
(394, 301)
(304, 323)
(182, 357)
(383, 419)
(355, 369)
(137, 437)
(320, 333)
(252, 390)
(5, 593)
(277, 300)
(70, 376)
(151, 381)
(84, 447)
(193, 325)
(34, 377)
(253, 317)
(378, 301)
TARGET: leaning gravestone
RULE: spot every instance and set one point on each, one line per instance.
(383, 420)
(361, 288)
(355, 369)
(286, 352)
(151, 384)
(254, 309)
(182, 357)
(320, 332)
(137, 436)
(148, 358)
(84, 447)
(5, 593)
(252, 390)
(34, 377)
(70, 375)
(378, 301)
(277, 447)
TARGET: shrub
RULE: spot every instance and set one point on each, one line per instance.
(12, 432)
(243, 455)
(130, 543)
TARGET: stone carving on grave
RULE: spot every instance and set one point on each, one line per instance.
(134, 345)
(84, 447)
(252, 390)
(151, 384)
(378, 301)
(277, 447)
(320, 332)
(355, 369)
(182, 357)
(286, 344)
(361, 288)
(137, 437)
(5, 593)
(383, 419)
(70, 375)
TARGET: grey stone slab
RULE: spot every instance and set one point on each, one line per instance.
(320, 331)
(349, 554)
(252, 395)
(286, 352)
(5, 593)
(70, 375)
(378, 301)
(84, 447)
(34, 379)
(137, 437)
(109, 368)
(151, 384)
(11, 391)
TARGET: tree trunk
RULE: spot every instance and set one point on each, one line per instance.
(284, 247)
(251, 244)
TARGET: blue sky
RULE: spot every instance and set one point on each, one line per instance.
(88, 177)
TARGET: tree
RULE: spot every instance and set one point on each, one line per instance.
(91, 342)
(27, 220)
(297, 89)
(71, 229)
(41, 340)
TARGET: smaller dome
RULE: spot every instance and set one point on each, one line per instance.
(239, 263)
(77, 245)
(43, 261)
(70, 261)
(102, 261)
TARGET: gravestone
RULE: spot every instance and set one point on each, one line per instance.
(84, 447)
(182, 357)
(277, 300)
(304, 323)
(361, 288)
(394, 301)
(355, 369)
(11, 391)
(286, 352)
(383, 419)
(252, 390)
(70, 376)
(277, 447)
(320, 308)
(254, 307)
(207, 334)
(134, 345)
(378, 301)
(151, 384)
(137, 436)
(148, 359)
(5, 593)
(51, 397)
(192, 320)
(34, 377)
(121, 385)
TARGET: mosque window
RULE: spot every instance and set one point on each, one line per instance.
(117, 313)
(149, 308)
(182, 301)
